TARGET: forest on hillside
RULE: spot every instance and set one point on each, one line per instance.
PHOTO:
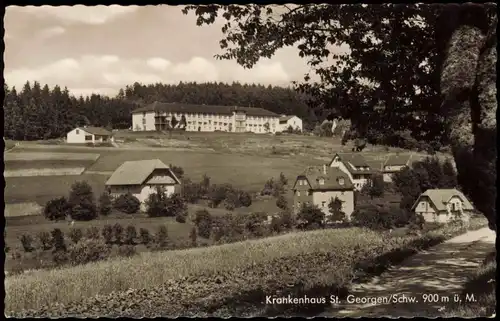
(38, 112)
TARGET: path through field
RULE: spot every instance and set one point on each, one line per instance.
(437, 273)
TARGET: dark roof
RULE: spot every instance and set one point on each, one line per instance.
(355, 159)
(136, 172)
(96, 131)
(332, 178)
(398, 160)
(209, 109)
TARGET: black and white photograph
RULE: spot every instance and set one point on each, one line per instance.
(250, 160)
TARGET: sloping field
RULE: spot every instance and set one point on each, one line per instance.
(213, 271)
(47, 163)
(33, 172)
(41, 189)
(22, 155)
(22, 209)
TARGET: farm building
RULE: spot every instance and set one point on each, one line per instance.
(440, 205)
(204, 118)
(141, 178)
(87, 134)
(355, 166)
(394, 164)
(289, 121)
(319, 185)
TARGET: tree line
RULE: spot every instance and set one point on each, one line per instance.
(38, 112)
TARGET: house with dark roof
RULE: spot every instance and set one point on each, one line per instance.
(319, 185)
(88, 134)
(355, 166)
(292, 121)
(395, 163)
(141, 178)
(204, 118)
(442, 205)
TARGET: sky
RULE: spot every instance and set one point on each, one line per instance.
(102, 49)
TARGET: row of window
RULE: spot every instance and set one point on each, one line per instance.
(214, 116)
(309, 193)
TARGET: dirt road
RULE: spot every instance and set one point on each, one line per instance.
(430, 279)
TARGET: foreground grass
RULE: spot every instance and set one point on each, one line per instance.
(217, 280)
(482, 286)
(73, 284)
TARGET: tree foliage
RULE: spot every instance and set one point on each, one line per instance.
(335, 209)
(82, 202)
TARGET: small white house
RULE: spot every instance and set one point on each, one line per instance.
(355, 166)
(441, 205)
(286, 121)
(81, 135)
(141, 178)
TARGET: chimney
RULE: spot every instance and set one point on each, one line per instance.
(324, 169)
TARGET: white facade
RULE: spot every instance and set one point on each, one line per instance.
(389, 171)
(80, 136)
(207, 122)
(294, 121)
(430, 213)
(358, 179)
(323, 198)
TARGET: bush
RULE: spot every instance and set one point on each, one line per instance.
(27, 242)
(380, 217)
(127, 203)
(155, 203)
(310, 217)
(175, 206)
(178, 171)
(145, 236)
(193, 237)
(107, 234)
(275, 225)
(93, 233)
(376, 189)
(56, 209)
(192, 192)
(118, 233)
(254, 223)
(162, 237)
(283, 180)
(58, 240)
(287, 220)
(127, 250)
(130, 235)
(281, 202)
(335, 209)
(203, 222)
(245, 199)
(45, 240)
(105, 204)
(81, 200)
(60, 257)
(75, 234)
(88, 251)
(217, 194)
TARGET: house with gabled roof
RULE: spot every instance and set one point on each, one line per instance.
(88, 134)
(441, 205)
(141, 178)
(355, 166)
(394, 164)
(319, 185)
(289, 121)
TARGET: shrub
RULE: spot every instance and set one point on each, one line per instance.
(380, 217)
(130, 235)
(245, 199)
(192, 192)
(127, 203)
(205, 184)
(276, 225)
(127, 250)
(75, 234)
(27, 242)
(93, 233)
(145, 236)
(155, 203)
(310, 217)
(217, 194)
(88, 251)
(376, 189)
(118, 233)
(105, 204)
(287, 220)
(162, 237)
(81, 200)
(282, 179)
(58, 241)
(254, 223)
(281, 202)
(107, 234)
(45, 240)
(60, 257)
(193, 236)
(56, 209)
(335, 209)
(203, 222)
(175, 205)
(178, 171)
